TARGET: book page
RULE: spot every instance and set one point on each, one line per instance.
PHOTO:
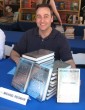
(68, 85)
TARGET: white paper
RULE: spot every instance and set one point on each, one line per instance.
(13, 96)
(68, 85)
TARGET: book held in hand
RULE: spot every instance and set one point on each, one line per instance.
(38, 54)
(68, 90)
(39, 82)
(22, 75)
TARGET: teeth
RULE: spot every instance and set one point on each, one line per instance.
(42, 24)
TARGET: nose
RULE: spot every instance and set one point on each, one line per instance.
(42, 19)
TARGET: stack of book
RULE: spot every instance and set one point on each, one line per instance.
(28, 64)
(52, 89)
(36, 74)
(43, 82)
(41, 73)
(69, 33)
(39, 56)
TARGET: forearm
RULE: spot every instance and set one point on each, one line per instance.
(71, 62)
(15, 56)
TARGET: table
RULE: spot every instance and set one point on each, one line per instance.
(12, 37)
(51, 104)
(9, 26)
(77, 46)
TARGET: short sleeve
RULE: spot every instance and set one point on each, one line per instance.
(20, 47)
(65, 50)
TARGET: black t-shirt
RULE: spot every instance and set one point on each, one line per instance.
(56, 42)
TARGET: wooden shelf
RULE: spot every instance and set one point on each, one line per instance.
(68, 11)
(68, 8)
(27, 10)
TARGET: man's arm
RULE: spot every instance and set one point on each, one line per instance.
(15, 56)
(71, 62)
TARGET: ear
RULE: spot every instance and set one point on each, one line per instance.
(51, 19)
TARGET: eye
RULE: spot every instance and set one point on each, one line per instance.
(46, 16)
(39, 17)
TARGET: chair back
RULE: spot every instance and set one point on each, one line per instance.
(79, 58)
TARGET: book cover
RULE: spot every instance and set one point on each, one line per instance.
(68, 5)
(62, 5)
(33, 17)
(57, 5)
(39, 82)
(38, 54)
(29, 16)
(68, 79)
(22, 75)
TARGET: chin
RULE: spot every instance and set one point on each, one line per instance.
(43, 29)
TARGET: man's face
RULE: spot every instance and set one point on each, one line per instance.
(44, 18)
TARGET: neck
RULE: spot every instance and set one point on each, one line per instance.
(45, 33)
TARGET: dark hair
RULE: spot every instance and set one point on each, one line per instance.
(45, 1)
(44, 5)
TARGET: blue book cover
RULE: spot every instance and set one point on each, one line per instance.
(39, 82)
(22, 74)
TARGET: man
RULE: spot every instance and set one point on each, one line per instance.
(53, 6)
(44, 37)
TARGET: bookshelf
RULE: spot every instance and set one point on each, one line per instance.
(1, 7)
(14, 4)
(27, 10)
(68, 10)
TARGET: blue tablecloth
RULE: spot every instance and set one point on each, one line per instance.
(12, 37)
(77, 46)
(51, 104)
(9, 26)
